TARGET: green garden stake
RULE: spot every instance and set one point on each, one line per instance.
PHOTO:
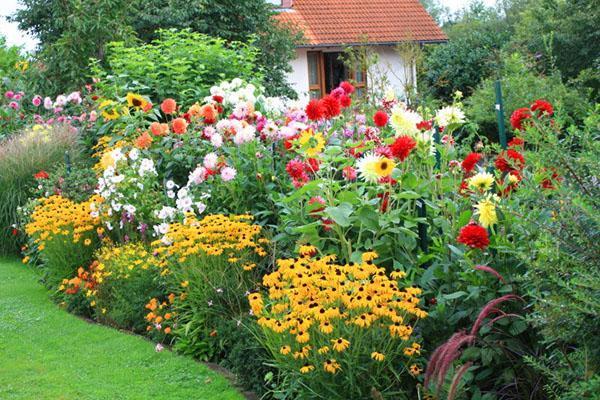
(68, 162)
(437, 140)
(422, 227)
(500, 114)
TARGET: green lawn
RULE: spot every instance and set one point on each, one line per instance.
(48, 354)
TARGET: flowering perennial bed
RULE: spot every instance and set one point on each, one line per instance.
(344, 239)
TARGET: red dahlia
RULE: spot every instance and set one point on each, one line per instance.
(380, 118)
(516, 142)
(347, 86)
(474, 236)
(315, 110)
(345, 101)
(296, 169)
(402, 147)
(313, 165)
(519, 116)
(513, 160)
(331, 106)
(425, 125)
(542, 107)
(471, 161)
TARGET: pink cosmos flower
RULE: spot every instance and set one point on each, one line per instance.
(14, 105)
(48, 103)
(9, 94)
(37, 100)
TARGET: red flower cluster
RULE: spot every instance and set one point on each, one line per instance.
(474, 236)
(518, 117)
(516, 142)
(540, 107)
(41, 175)
(402, 147)
(300, 171)
(425, 125)
(315, 110)
(331, 105)
(511, 160)
(470, 161)
(380, 119)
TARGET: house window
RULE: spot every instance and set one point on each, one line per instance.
(315, 74)
(327, 70)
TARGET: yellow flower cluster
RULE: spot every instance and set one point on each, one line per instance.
(214, 235)
(121, 261)
(316, 307)
(59, 216)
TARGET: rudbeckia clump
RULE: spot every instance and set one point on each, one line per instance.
(212, 263)
(65, 235)
(343, 331)
(125, 278)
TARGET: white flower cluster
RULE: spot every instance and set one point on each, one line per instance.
(449, 115)
(235, 93)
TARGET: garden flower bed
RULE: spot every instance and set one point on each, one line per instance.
(342, 248)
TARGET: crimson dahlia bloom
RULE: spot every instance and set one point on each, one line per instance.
(296, 169)
(332, 107)
(474, 236)
(542, 107)
(41, 175)
(380, 119)
(402, 147)
(519, 116)
(345, 101)
(347, 86)
(470, 161)
(315, 110)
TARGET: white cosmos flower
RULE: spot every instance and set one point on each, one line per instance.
(216, 140)
(134, 154)
(170, 184)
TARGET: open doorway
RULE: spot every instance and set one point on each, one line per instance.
(326, 71)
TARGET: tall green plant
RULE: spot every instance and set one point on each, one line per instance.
(21, 157)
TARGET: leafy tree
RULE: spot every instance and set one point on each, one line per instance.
(470, 55)
(437, 10)
(565, 36)
(71, 32)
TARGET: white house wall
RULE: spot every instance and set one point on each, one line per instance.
(298, 78)
(389, 71)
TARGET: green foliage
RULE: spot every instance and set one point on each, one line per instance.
(247, 21)
(178, 64)
(521, 85)
(9, 57)
(563, 278)
(471, 54)
(565, 34)
(22, 156)
(70, 33)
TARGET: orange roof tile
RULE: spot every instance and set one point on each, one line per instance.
(335, 22)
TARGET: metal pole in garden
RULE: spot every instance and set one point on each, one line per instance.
(500, 114)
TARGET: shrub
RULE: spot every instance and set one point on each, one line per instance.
(179, 64)
(563, 280)
(340, 331)
(21, 158)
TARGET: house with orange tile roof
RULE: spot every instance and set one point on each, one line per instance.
(330, 26)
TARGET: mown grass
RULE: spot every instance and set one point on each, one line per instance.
(48, 354)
